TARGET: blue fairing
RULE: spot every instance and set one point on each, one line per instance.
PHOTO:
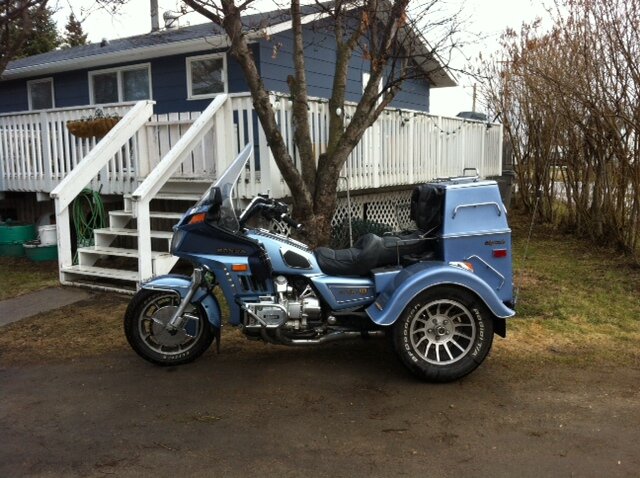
(412, 280)
(181, 285)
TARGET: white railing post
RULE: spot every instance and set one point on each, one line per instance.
(145, 265)
(45, 139)
(223, 121)
(63, 233)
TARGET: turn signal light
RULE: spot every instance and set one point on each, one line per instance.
(198, 218)
(239, 268)
(498, 253)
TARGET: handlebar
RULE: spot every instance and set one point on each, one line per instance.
(290, 222)
(270, 209)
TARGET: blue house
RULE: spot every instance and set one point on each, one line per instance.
(181, 69)
(186, 112)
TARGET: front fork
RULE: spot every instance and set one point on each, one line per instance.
(178, 318)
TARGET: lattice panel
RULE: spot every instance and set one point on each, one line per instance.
(390, 208)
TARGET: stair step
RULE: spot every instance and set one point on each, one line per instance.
(153, 214)
(117, 251)
(193, 197)
(118, 231)
(131, 290)
(130, 276)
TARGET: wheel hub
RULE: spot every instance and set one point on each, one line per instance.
(168, 338)
(442, 328)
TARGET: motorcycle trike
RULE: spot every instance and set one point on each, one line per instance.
(439, 292)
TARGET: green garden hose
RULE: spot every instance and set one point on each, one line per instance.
(88, 214)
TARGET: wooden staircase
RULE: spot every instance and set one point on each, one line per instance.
(136, 244)
(112, 263)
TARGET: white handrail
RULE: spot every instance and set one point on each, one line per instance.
(98, 157)
(171, 162)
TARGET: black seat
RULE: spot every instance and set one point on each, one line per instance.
(371, 251)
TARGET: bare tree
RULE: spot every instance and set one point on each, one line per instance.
(570, 102)
(16, 26)
(387, 35)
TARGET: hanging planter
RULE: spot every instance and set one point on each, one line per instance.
(95, 126)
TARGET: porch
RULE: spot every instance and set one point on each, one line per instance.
(147, 157)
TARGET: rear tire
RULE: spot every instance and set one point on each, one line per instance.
(148, 311)
(443, 334)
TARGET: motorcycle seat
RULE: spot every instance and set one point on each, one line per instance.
(369, 252)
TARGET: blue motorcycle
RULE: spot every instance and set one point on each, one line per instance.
(440, 291)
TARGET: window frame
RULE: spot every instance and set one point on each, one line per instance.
(225, 75)
(53, 93)
(119, 70)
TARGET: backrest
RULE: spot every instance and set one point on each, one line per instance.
(427, 205)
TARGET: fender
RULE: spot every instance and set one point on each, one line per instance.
(412, 280)
(180, 285)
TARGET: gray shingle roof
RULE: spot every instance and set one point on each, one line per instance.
(193, 32)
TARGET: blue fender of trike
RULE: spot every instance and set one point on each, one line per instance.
(180, 285)
(412, 280)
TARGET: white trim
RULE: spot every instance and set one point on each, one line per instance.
(53, 93)
(118, 70)
(225, 75)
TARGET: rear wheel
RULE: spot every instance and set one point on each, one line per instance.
(443, 334)
(144, 325)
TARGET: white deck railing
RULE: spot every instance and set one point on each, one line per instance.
(403, 147)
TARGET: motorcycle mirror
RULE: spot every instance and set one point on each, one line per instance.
(215, 196)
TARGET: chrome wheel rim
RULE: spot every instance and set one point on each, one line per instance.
(152, 326)
(442, 332)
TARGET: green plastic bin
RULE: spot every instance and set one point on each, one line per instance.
(13, 235)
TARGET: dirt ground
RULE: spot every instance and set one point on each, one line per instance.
(345, 409)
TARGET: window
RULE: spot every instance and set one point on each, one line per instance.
(116, 85)
(206, 76)
(41, 94)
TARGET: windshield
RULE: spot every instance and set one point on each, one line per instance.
(225, 184)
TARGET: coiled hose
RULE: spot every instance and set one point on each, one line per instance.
(88, 214)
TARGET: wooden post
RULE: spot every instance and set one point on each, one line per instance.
(63, 232)
(145, 266)
(45, 140)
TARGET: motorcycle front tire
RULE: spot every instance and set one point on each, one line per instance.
(146, 314)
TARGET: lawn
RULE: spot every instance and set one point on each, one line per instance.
(19, 275)
(577, 304)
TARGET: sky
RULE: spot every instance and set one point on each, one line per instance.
(485, 21)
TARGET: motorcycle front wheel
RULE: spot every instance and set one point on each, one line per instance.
(144, 325)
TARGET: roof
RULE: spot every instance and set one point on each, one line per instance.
(172, 42)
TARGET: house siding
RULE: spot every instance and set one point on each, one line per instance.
(274, 59)
(276, 64)
(168, 83)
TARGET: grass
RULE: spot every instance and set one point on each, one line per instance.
(19, 275)
(578, 304)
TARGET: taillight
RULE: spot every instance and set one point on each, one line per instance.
(498, 253)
